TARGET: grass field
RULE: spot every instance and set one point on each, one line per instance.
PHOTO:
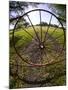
(25, 37)
(53, 74)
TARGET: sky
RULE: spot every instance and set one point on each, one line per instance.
(35, 18)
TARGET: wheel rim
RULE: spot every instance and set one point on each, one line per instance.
(42, 44)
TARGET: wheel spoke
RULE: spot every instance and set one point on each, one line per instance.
(41, 54)
(46, 54)
(59, 36)
(54, 30)
(52, 55)
(48, 28)
(29, 33)
(54, 39)
(40, 25)
(53, 42)
(33, 28)
(51, 49)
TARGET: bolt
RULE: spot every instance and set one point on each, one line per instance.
(41, 46)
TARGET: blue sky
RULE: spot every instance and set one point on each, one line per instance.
(35, 18)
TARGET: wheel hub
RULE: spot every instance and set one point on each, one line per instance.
(41, 45)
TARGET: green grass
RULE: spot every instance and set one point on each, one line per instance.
(25, 37)
(22, 39)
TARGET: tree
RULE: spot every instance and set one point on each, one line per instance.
(26, 24)
(42, 24)
(59, 10)
(17, 9)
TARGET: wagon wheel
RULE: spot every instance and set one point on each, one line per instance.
(45, 47)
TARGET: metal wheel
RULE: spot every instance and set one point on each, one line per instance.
(45, 45)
